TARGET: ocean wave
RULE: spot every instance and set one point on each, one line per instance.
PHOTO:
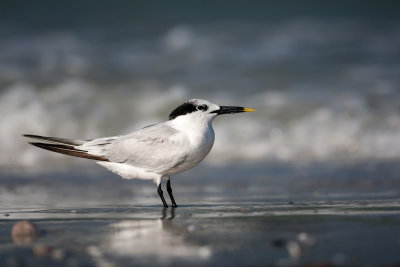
(342, 127)
(324, 91)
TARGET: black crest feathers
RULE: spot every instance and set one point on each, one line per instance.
(183, 109)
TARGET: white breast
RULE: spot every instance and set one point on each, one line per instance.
(201, 136)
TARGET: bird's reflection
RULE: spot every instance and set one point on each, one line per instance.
(159, 239)
(164, 213)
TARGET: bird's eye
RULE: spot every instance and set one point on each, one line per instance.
(202, 107)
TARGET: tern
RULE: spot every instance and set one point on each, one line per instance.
(155, 152)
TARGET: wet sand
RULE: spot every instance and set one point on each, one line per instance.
(254, 234)
(237, 220)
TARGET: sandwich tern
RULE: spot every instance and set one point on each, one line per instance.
(155, 152)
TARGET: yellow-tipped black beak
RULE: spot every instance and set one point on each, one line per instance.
(231, 110)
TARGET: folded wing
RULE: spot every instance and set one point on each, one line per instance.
(156, 148)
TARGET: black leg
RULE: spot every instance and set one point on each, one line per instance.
(160, 193)
(169, 189)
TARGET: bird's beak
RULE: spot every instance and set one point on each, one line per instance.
(231, 109)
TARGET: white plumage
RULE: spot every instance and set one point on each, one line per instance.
(154, 152)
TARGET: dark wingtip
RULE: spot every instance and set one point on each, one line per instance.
(30, 135)
(37, 144)
(47, 145)
(67, 150)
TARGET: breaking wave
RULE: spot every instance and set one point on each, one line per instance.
(320, 89)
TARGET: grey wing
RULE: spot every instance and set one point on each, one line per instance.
(98, 146)
(156, 148)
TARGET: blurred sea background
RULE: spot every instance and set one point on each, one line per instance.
(324, 77)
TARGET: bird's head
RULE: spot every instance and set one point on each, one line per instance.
(205, 109)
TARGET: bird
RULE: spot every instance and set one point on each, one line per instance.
(155, 152)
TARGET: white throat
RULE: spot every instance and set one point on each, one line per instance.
(197, 126)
